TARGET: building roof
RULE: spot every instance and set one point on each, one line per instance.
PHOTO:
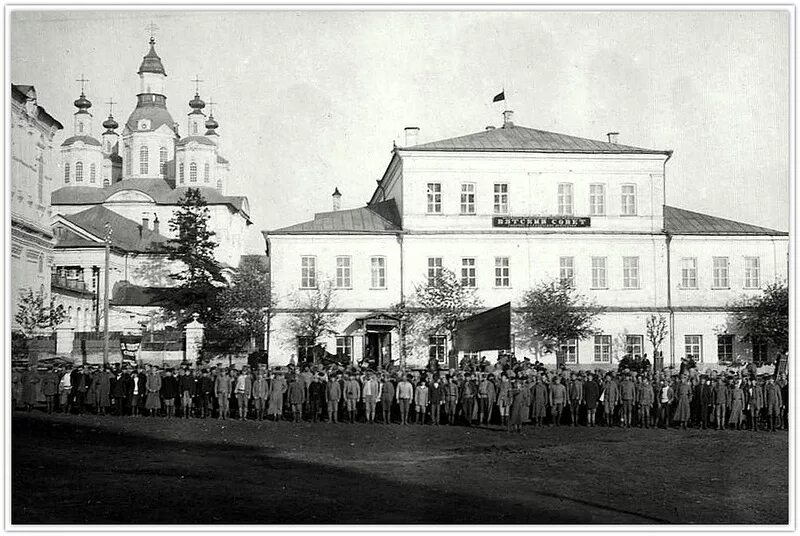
(199, 139)
(151, 63)
(528, 140)
(23, 92)
(127, 234)
(678, 221)
(155, 111)
(160, 190)
(375, 218)
(221, 160)
(88, 140)
(125, 293)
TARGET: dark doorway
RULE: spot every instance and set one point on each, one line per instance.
(378, 349)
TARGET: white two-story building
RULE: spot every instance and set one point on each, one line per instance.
(507, 208)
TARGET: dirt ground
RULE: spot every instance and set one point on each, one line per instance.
(88, 469)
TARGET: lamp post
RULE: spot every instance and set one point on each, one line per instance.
(105, 293)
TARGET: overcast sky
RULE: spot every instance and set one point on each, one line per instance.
(308, 101)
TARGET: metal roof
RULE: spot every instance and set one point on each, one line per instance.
(127, 234)
(678, 221)
(523, 139)
(88, 140)
(376, 218)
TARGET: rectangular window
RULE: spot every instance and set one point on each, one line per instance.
(599, 279)
(630, 272)
(468, 198)
(567, 270)
(629, 200)
(343, 272)
(570, 352)
(434, 198)
(501, 198)
(305, 349)
(693, 347)
(308, 272)
(344, 347)
(565, 199)
(752, 271)
(760, 348)
(721, 272)
(634, 345)
(378, 269)
(434, 269)
(437, 347)
(602, 348)
(689, 273)
(597, 199)
(725, 348)
(468, 272)
(502, 276)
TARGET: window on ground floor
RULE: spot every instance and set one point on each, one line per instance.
(437, 347)
(693, 347)
(725, 348)
(305, 349)
(634, 345)
(570, 352)
(602, 348)
(760, 349)
(344, 347)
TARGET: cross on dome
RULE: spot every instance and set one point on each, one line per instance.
(152, 29)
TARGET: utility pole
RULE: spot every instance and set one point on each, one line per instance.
(105, 293)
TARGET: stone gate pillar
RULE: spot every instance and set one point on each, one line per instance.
(65, 335)
(194, 339)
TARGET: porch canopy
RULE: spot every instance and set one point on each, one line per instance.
(489, 330)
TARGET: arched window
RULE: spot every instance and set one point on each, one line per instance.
(79, 172)
(128, 161)
(92, 173)
(219, 184)
(194, 129)
(41, 263)
(69, 314)
(162, 161)
(40, 183)
(143, 160)
(180, 175)
(192, 172)
(80, 128)
(66, 172)
(206, 173)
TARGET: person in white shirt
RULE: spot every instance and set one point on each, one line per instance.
(64, 390)
(404, 394)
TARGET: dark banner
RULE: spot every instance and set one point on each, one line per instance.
(129, 346)
(540, 221)
(489, 330)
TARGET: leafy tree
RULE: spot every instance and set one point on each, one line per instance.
(656, 331)
(33, 314)
(315, 317)
(194, 248)
(441, 304)
(553, 313)
(765, 317)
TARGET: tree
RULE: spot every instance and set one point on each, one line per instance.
(34, 315)
(247, 306)
(315, 317)
(194, 248)
(656, 331)
(765, 318)
(554, 313)
(442, 303)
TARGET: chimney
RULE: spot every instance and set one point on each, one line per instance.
(337, 199)
(613, 137)
(490, 127)
(412, 133)
(508, 119)
(145, 220)
(155, 223)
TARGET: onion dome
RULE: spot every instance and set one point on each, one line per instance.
(83, 103)
(151, 63)
(110, 124)
(197, 104)
(212, 124)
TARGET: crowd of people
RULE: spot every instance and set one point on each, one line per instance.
(509, 394)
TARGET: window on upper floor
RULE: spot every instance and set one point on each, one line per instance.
(630, 272)
(599, 273)
(752, 272)
(93, 173)
(193, 172)
(502, 273)
(468, 278)
(628, 206)
(206, 173)
(66, 173)
(501, 198)
(144, 160)
(434, 198)
(468, 198)
(308, 272)
(378, 272)
(79, 172)
(597, 199)
(434, 270)
(128, 161)
(343, 272)
(162, 161)
(40, 180)
(566, 270)
(180, 173)
(720, 272)
(565, 199)
(689, 272)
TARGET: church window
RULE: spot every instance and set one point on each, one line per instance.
(180, 175)
(40, 183)
(193, 172)
(80, 128)
(206, 173)
(219, 185)
(79, 172)
(66, 172)
(143, 160)
(92, 173)
(128, 161)
(162, 159)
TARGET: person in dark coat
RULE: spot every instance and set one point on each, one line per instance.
(30, 385)
(684, 396)
(773, 399)
(518, 402)
(316, 396)
(591, 397)
(50, 381)
(296, 397)
(120, 391)
(704, 402)
(540, 398)
(754, 396)
(169, 392)
(645, 400)
(206, 393)
(186, 389)
(436, 394)
(719, 399)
